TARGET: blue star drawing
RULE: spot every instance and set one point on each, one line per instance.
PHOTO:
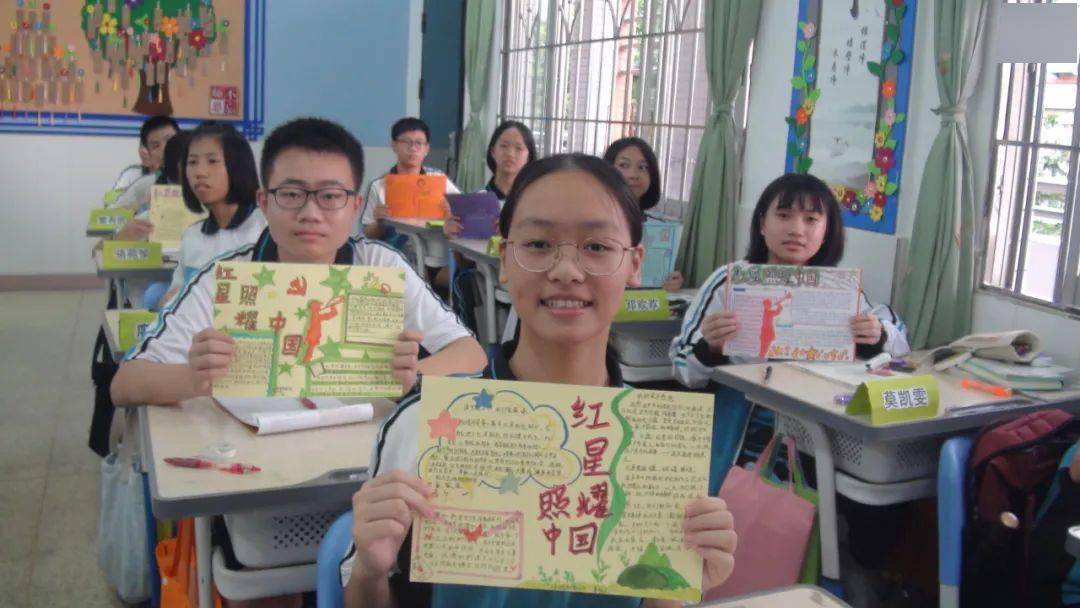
(508, 484)
(482, 401)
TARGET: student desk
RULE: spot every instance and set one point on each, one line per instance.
(799, 596)
(416, 230)
(100, 232)
(302, 467)
(161, 273)
(475, 250)
(809, 399)
(111, 325)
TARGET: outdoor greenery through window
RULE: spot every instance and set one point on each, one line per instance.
(583, 73)
(1033, 236)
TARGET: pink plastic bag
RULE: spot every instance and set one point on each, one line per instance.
(773, 524)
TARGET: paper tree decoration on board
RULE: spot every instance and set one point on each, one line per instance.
(35, 67)
(157, 42)
(849, 102)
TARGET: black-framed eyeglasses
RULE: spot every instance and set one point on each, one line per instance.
(411, 143)
(598, 257)
(294, 198)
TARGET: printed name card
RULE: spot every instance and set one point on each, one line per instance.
(133, 325)
(792, 312)
(416, 196)
(170, 216)
(560, 487)
(643, 305)
(899, 399)
(109, 220)
(130, 255)
(309, 330)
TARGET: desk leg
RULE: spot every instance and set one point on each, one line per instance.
(826, 487)
(489, 302)
(202, 562)
(418, 249)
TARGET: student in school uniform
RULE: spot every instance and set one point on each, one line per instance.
(136, 180)
(311, 169)
(571, 244)
(636, 161)
(219, 178)
(797, 222)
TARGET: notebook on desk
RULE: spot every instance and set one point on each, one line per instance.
(271, 415)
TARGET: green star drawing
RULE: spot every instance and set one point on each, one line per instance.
(264, 277)
(338, 281)
(285, 369)
(217, 312)
(331, 349)
(301, 313)
(508, 484)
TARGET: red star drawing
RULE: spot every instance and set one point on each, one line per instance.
(444, 426)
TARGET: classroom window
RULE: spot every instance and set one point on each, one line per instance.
(583, 73)
(1033, 234)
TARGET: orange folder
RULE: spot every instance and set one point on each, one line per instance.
(416, 196)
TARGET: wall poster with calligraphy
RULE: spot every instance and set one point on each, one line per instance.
(560, 487)
(304, 330)
(100, 67)
(849, 103)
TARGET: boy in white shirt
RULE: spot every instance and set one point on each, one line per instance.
(310, 169)
(154, 133)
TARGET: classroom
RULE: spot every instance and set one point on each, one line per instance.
(547, 303)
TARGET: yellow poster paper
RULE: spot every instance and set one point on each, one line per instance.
(309, 329)
(561, 487)
(170, 216)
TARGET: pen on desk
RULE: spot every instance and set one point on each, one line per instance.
(235, 468)
(767, 375)
(993, 389)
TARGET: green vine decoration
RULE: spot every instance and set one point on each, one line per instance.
(804, 84)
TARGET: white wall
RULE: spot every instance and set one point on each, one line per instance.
(770, 96)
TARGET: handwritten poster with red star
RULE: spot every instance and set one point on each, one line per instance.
(309, 330)
(561, 487)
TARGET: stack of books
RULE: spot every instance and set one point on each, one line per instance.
(1017, 376)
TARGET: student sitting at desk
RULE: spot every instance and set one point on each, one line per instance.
(797, 222)
(571, 244)
(311, 169)
(153, 134)
(219, 178)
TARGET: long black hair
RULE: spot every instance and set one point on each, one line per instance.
(604, 172)
(175, 156)
(239, 165)
(810, 194)
(526, 134)
(652, 195)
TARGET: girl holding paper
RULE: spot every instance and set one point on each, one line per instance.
(571, 245)
(796, 222)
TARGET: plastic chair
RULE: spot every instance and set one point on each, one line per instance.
(951, 516)
(328, 591)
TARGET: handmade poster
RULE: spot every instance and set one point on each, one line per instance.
(309, 329)
(170, 216)
(478, 213)
(561, 487)
(416, 196)
(100, 66)
(661, 240)
(792, 312)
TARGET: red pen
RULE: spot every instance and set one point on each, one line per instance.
(239, 469)
(189, 463)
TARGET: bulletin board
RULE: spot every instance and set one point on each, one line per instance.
(100, 67)
(849, 103)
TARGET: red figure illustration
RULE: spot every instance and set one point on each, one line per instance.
(770, 310)
(317, 313)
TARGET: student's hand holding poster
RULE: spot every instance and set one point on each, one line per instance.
(794, 312)
(569, 488)
(307, 330)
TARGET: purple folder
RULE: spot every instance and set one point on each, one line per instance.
(478, 213)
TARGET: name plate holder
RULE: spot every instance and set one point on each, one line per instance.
(643, 305)
(130, 255)
(891, 400)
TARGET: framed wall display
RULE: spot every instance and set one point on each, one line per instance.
(99, 67)
(849, 103)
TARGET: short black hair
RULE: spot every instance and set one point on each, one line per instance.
(175, 155)
(811, 194)
(239, 164)
(315, 135)
(652, 195)
(604, 172)
(409, 123)
(526, 134)
(153, 124)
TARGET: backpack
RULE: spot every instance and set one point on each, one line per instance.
(102, 370)
(1010, 469)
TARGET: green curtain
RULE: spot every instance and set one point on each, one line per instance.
(472, 151)
(937, 291)
(709, 234)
